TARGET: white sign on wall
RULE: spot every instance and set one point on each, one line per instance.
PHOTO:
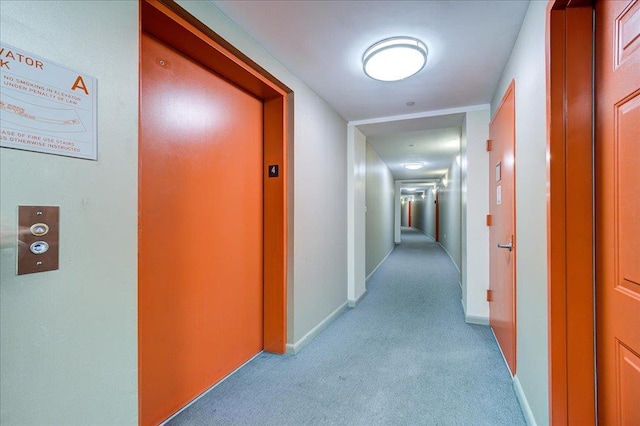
(45, 107)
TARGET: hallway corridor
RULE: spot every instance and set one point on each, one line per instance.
(404, 355)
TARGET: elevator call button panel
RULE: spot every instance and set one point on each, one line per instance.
(38, 238)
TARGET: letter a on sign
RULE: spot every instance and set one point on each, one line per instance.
(79, 84)
(39, 123)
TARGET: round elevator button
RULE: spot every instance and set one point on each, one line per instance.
(39, 247)
(39, 229)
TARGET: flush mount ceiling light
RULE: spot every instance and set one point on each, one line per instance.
(413, 166)
(395, 58)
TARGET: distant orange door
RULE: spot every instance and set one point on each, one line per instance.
(502, 307)
(617, 156)
(200, 257)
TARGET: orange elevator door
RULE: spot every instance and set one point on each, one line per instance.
(200, 230)
(502, 251)
(617, 158)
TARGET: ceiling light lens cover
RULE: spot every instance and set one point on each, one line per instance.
(395, 58)
(413, 166)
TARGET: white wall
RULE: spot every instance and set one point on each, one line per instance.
(356, 193)
(380, 196)
(424, 213)
(404, 212)
(318, 286)
(527, 67)
(320, 215)
(421, 216)
(397, 213)
(450, 214)
(463, 212)
(475, 206)
(430, 207)
(68, 350)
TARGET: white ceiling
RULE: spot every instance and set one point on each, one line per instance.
(322, 42)
(418, 188)
(437, 148)
(432, 140)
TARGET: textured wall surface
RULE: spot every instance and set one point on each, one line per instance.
(380, 205)
(68, 349)
(527, 67)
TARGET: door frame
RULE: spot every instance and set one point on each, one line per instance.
(173, 25)
(510, 90)
(570, 219)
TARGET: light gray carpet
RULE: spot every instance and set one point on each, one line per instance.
(403, 356)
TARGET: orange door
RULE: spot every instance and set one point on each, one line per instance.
(617, 158)
(200, 258)
(502, 309)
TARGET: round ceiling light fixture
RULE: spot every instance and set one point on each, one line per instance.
(413, 166)
(395, 58)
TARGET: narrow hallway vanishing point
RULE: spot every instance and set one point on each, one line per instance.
(404, 355)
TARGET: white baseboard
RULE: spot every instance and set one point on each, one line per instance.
(381, 262)
(354, 303)
(473, 319)
(292, 349)
(524, 404)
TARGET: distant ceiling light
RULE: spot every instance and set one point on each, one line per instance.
(458, 159)
(395, 58)
(413, 166)
(410, 189)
